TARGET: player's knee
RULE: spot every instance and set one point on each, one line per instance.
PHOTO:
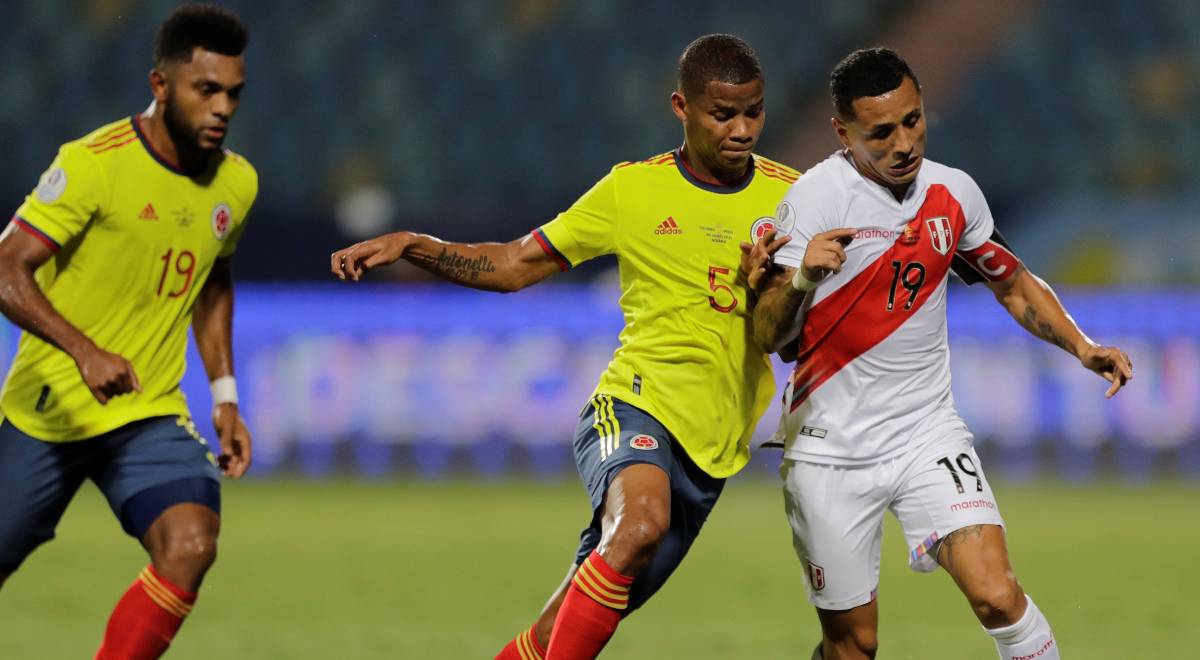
(998, 604)
(640, 534)
(193, 546)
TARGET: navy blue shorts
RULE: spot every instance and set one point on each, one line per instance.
(613, 435)
(142, 468)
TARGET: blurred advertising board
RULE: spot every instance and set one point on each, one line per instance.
(383, 379)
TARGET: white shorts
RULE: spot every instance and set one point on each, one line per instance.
(836, 513)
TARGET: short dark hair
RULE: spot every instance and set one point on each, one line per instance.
(717, 57)
(867, 72)
(190, 26)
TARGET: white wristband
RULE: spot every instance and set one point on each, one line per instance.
(224, 390)
(802, 283)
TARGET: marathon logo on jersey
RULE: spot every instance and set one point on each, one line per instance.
(868, 233)
(760, 228)
(941, 233)
(816, 576)
(813, 432)
(51, 186)
(643, 442)
(222, 220)
(668, 227)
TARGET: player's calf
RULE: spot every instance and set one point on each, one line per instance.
(976, 557)
(531, 643)
(1000, 602)
(636, 516)
(849, 634)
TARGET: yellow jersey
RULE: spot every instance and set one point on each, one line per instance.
(134, 240)
(687, 354)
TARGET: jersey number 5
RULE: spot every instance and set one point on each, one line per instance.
(185, 267)
(713, 271)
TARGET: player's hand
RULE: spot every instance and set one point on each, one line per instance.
(234, 437)
(757, 258)
(350, 263)
(826, 253)
(1112, 363)
(106, 374)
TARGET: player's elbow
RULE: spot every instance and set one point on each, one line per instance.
(13, 272)
(769, 339)
(513, 283)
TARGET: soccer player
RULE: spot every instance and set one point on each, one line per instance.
(869, 421)
(126, 241)
(672, 415)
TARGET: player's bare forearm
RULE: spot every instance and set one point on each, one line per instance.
(775, 312)
(1035, 306)
(22, 300)
(503, 267)
(212, 321)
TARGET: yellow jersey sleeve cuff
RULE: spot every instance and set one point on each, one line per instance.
(36, 231)
(548, 247)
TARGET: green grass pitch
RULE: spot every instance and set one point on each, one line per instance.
(452, 570)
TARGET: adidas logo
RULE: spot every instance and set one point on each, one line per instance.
(668, 226)
(148, 213)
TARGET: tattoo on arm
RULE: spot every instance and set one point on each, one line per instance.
(1042, 328)
(774, 315)
(957, 538)
(455, 266)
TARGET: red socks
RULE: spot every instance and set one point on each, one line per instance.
(145, 619)
(591, 611)
(524, 647)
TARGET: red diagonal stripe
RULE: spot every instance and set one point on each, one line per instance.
(855, 318)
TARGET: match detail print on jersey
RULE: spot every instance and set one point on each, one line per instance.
(882, 297)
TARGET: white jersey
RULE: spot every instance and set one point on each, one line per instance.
(873, 373)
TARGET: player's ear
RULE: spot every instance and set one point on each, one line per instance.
(842, 131)
(679, 105)
(158, 84)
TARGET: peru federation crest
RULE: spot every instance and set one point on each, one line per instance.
(941, 233)
(816, 576)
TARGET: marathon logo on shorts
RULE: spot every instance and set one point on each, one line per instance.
(941, 233)
(816, 576)
(643, 442)
(813, 432)
(973, 504)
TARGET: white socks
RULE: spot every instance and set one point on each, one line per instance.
(1028, 639)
